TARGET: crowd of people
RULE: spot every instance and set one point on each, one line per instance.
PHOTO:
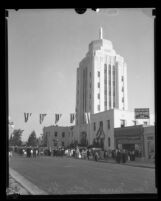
(119, 155)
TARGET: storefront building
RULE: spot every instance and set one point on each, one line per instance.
(139, 138)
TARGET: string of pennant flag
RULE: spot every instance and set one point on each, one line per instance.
(42, 116)
(57, 117)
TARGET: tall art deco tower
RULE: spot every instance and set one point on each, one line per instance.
(101, 80)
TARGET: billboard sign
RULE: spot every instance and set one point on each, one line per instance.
(141, 113)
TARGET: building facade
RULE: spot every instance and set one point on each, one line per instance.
(101, 102)
(140, 138)
(101, 80)
(58, 136)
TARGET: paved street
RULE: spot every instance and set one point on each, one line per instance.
(74, 176)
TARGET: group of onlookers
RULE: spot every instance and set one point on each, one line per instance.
(119, 155)
(122, 155)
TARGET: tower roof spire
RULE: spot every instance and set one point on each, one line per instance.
(100, 33)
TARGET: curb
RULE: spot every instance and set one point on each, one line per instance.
(132, 165)
(30, 187)
(136, 165)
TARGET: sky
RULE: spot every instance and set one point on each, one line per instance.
(45, 47)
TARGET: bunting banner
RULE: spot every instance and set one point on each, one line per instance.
(26, 115)
(57, 117)
(42, 117)
(72, 118)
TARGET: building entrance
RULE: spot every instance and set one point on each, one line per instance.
(128, 147)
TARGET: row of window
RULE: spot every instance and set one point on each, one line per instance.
(105, 104)
(56, 134)
(122, 124)
(55, 143)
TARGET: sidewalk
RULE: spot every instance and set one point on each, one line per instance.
(137, 163)
(20, 185)
(15, 187)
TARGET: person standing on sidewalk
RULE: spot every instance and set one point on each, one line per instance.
(88, 154)
(31, 152)
(118, 156)
(123, 156)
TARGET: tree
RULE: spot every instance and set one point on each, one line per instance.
(15, 138)
(32, 140)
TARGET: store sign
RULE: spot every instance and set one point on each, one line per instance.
(142, 113)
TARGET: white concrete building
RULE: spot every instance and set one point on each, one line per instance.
(101, 80)
(102, 125)
(102, 92)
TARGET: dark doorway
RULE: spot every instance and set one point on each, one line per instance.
(129, 147)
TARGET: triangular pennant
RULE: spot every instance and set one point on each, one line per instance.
(57, 117)
(26, 116)
(42, 117)
(72, 118)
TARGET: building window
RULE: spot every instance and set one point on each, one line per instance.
(98, 73)
(108, 124)
(113, 104)
(101, 124)
(122, 89)
(122, 78)
(98, 96)
(105, 103)
(63, 134)
(90, 96)
(98, 85)
(90, 85)
(56, 134)
(109, 68)
(122, 123)
(113, 92)
(109, 141)
(106, 92)
(98, 107)
(122, 99)
(62, 144)
(94, 126)
(105, 65)
(145, 123)
(110, 102)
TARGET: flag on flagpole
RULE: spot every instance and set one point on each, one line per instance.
(72, 118)
(42, 117)
(26, 115)
(57, 117)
